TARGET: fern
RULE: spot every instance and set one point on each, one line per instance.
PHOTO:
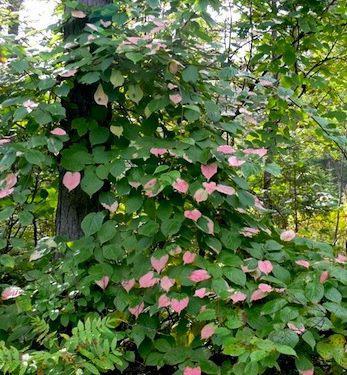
(91, 349)
(42, 330)
(95, 341)
(10, 360)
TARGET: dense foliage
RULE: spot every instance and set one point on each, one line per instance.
(171, 142)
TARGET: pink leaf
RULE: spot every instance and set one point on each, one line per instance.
(175, 98)
(159, 264)
(265, 266)
(342, 259)
(192, 371)
(238, 297)
(4, 141)
(68, 73)
(158, 151)
(194, 215)
(258, 204)
(78, 14)
(71, 180)
(11, 292)
(287, 235)
(201, 293)
(266, 288)
(147, 280)
(181, 185)
(227, 190)
(235, 162)
(105, 23)
(324, 277)
(201, 195)
(134, 184)
(150, 184)
(257, 295)
(297, 330)
(303, 263)
(175, 251)
(100, 97)
(249, 231)
(112, 208)
(128, 284)
(209, 170)
(210, 226)
(58, 131)
(179, 305)
(11, 180)
(255, 151)
(103, 282)
(166, 283)
(6, 192)
(29, 105)
(188, 257)
(307, 372)
(199, 275)
(164, 301)
(207, 331)
(226, 149)
(210, 187)
(137, 310)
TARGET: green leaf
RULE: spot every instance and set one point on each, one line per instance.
(309, 339)
(230, 239)
(273, 169)
(107, 231)
(34, 157)
(337, 309)
(149, 229)
(75, 158)
(135, 57)
(98, 135)
(25, 218)
(273, 306)
(7, 261)
(113, 252)
(20, 65)
(333, 295)
(285, 349)
(190, 74)
(235, 275)
(92, 223)
(170, 227)
(135, 93)
(258, 355)
(90, 182)
(285, 337)
(233, 347)
(19, 114)
(117, 168)
(41, 117)
(314, 291)
(46, 84)
(90, 78)
(133, 203)
(116, 78)
(213, 111)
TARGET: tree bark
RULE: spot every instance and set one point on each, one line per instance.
(73, 206)
(267, 178)
(15, 6)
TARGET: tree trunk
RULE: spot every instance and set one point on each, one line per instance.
(15, 6)
(267, 178)
(73, 206)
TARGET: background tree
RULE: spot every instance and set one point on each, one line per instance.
(180, 268)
